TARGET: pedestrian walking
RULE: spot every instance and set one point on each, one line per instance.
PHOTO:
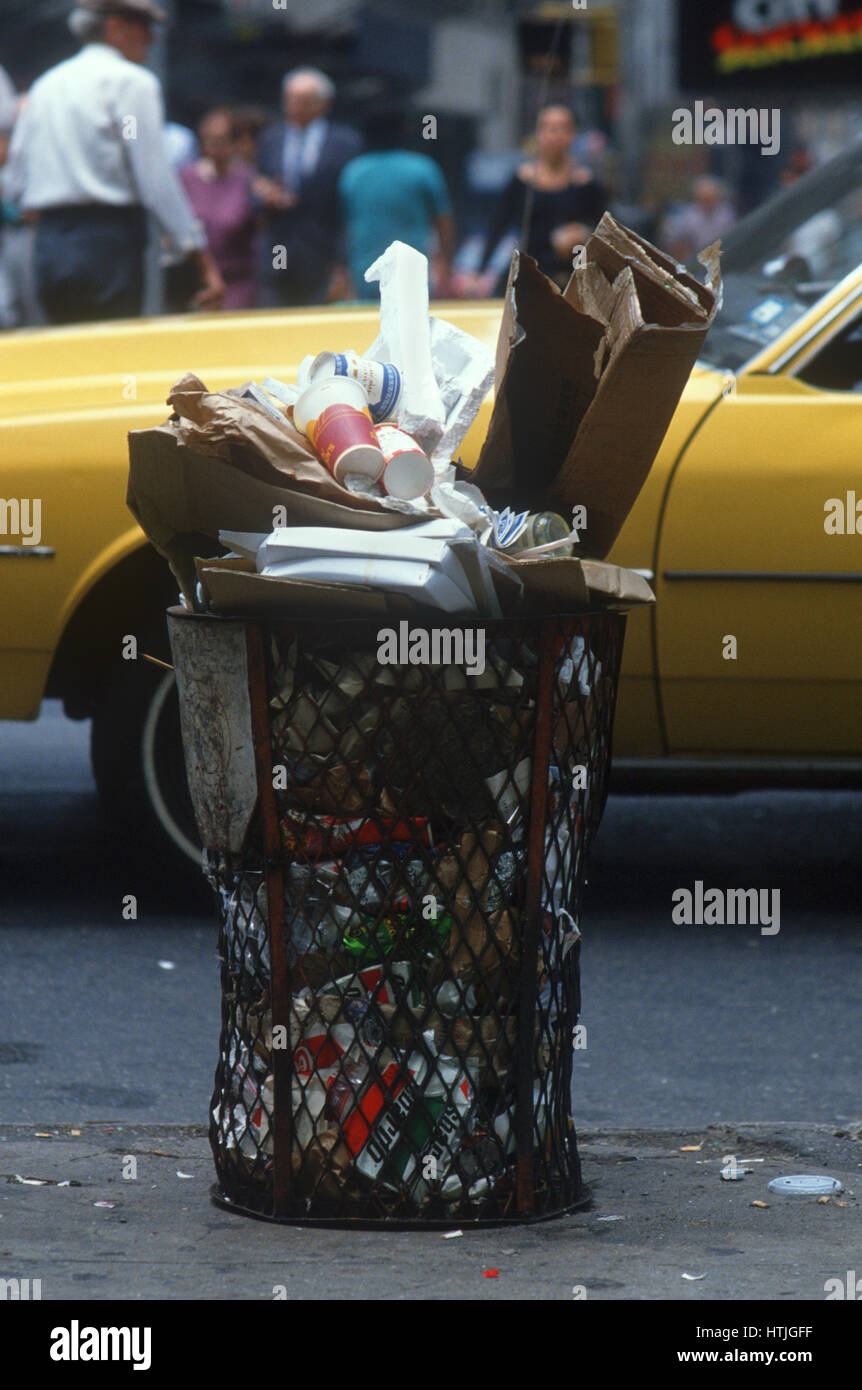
(392, 194)
(552, 202)
(299, 162)
(697, 224)
(88, 156)
(219, 189)
(249, 122)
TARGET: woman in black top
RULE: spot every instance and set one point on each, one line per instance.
(567, 201)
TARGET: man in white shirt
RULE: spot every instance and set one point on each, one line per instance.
(88, 157)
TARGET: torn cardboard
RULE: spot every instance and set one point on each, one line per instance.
(572, 584)
(588, 380)
(232, 586)
(181, 498)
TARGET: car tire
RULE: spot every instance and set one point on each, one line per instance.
(137, 759)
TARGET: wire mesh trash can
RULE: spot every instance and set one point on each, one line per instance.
(395, 824)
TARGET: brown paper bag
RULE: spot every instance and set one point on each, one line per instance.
(588, 380)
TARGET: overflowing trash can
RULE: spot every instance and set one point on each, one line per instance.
(397, 668)
(395, 825)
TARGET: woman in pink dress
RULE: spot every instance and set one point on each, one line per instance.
(220, 191)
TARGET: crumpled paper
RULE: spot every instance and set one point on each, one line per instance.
(222, 424)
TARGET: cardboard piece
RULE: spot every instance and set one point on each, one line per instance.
(567, 585)
(588, 380)
(612, 582)
(181, 499)
(233, 586)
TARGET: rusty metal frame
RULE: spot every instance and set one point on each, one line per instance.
(529, 951)
(280, 982)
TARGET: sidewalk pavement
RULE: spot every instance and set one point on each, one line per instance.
(657, 1213)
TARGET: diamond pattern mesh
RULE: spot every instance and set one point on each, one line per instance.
(400, 1047)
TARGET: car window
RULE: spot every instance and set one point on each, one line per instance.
(838, 366)
(785, 256)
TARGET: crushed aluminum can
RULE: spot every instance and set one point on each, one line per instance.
(244, 912)
(452, 997)
(501, 882)
(364, 1016)
(316, 920)
(376, 876)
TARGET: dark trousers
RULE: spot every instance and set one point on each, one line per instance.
(89, 262)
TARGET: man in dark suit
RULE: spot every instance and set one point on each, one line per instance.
(299, 162)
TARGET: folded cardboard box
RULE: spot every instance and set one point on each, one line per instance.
(587, 381)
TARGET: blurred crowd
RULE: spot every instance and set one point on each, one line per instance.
(249, 212)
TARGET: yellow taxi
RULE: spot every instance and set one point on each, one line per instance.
(747, 524)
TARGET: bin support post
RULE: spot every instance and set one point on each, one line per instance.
(280, 993)
(529, 954)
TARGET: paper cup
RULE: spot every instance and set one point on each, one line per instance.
(381, 381)
(409, 472)
(330, 390)
(334, 416)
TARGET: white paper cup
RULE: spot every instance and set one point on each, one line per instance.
(380, 380)
(331, 390)
(409, 472)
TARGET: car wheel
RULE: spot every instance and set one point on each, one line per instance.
(137, 757)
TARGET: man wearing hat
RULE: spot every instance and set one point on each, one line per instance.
(89, 159)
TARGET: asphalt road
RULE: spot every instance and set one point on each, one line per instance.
(116, 1021)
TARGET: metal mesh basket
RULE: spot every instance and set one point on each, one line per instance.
(397, 854)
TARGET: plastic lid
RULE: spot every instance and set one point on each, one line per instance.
(805, 1185)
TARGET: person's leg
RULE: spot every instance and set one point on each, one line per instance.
(55, 275)
(89, 264)
(117, 249)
